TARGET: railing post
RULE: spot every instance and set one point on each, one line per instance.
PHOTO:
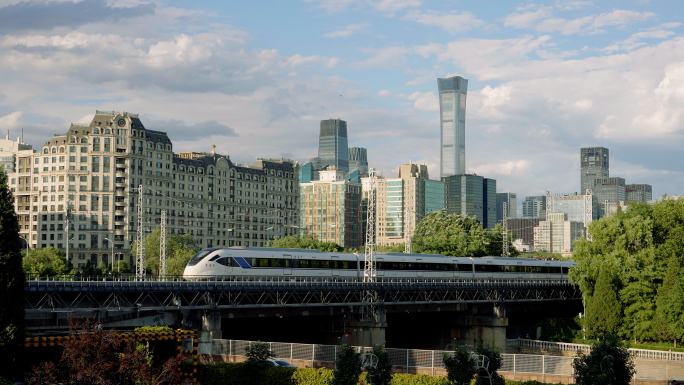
(313, 355)
(544, 368)
(433, 363)
(291, 352)
(407, 361)
(514, 363)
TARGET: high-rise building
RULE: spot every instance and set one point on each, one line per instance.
(472, 195)
(557, 234)
(411, 191)
(452, 111)
(639, 192)
(511, 200)
(333, 148)
(91, 175)
(534, 207)
(576, 207)
(358, 164)
(594, 164)
(523, 229)
(331, 209)
(608, 192)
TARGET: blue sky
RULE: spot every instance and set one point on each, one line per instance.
(255, 78)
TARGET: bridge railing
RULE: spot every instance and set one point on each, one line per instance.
(514, 366)
(548, 346)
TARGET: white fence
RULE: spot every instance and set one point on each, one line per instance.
(430, 361)
(567, 347)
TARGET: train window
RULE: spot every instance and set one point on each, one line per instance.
(199, 256)
(225, 261)
(325, 264)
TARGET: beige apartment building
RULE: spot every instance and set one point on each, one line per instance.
(557, 234)
(331, 209)
(94, 172)
(412, 193)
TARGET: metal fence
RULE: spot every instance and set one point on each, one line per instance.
(547, 346)
(430, 361)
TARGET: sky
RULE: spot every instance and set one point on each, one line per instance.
(256, 77)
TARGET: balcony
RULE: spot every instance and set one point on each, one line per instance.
(120, 174)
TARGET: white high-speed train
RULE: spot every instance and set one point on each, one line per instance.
(273, 262)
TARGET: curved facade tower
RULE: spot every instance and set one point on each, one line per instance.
(332, 144)
(452, 110)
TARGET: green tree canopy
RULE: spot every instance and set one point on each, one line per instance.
(347, 366)
(180, 248)
(607, 363)
(45, 261)
(460, 366)
(304, 242)
(457, 235)
(11, 279)
(636, 246)
(604, 315)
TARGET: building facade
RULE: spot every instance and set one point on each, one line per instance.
(639, 192)
(88, 180)
(523, 229)
(331, 209)
(534, 207)
(557, 234)
(594, 164)
(511, 200)
(576, 207)
(472, 195)
(452, 111)
(333, 148)
(608, 191)
(358, 164)
(412, 193)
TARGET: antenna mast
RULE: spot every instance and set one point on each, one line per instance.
(140, 260)
(369, 269)
(162, 245)
(504, 251)
(408, 230)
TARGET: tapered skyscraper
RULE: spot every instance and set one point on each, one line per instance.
(452, 110)
(332, 144)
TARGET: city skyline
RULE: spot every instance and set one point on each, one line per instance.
(544, 80)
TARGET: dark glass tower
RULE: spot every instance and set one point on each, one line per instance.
(594, 164)
(333, 149)
(452, 110)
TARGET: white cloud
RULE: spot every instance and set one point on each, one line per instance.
(384, 94)
(395, 5)
(350, 29)
(636, 40)
(540, 18)
(11, 121)
(527, 19)
(425, 101)
(512, 167)
(451, 22)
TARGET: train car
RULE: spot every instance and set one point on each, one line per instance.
(255, 262)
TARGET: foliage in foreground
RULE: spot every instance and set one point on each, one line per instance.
(460, 366)
(310, 242)
(117, 362)
(607, 363)
(638, 254)
(180, 248)
(347, 366)
(495, 361)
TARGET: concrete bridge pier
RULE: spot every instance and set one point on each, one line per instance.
(369, 332)
(486, 329)
(210, 329)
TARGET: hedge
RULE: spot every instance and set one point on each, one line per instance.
(235, 374)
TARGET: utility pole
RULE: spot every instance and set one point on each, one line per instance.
(369, 273)
(162, 245)
(408, 230)
(504, 249)
(140, 260)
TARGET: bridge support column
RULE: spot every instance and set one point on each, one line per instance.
(210, 329)
(489, 330)
(369, 332)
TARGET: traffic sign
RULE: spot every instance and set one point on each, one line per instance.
(345, 338)
(98, 328)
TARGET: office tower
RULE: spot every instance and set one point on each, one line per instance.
(472, 195)
(94, 171)
(523, 229)
(557, 234)
(594, 164)
(412, 190)
(608, 191)
(331, 209)
(452, 111)
(639, 192)
(332, 144)
(358, 164)
(577, 208)
(511, 200)
(534, 207)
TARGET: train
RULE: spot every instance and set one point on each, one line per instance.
(256, 262)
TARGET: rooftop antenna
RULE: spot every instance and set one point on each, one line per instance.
(22, 134)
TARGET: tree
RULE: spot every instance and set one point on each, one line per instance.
(101, 358)
(11, 280)
(608, 362)
(45, 261)
(304, 242)
(460, 366)
(347, 366)
(180, 248)
(382, 374)
(457, 235)
(670, 302)
(258, 353)
(604, 312)
(493, 362)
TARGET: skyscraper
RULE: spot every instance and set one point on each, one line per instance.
(511, 199)
(472, 195)
(358, 164)
(534, 207)
(452, 105)
(594, 165)
(333, 149)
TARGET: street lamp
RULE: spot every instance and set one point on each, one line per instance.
(119, 263)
